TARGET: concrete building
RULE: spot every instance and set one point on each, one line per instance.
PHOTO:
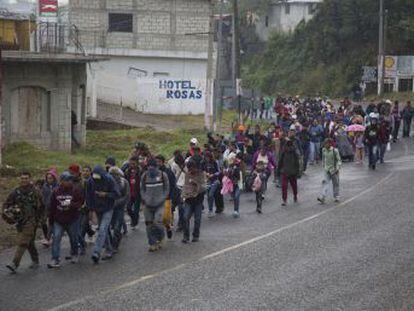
(158, 52)
(284, 16)
(39, 93)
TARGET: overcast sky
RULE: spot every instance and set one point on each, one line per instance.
(61, 2)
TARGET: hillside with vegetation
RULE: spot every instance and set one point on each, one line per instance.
(325, 55)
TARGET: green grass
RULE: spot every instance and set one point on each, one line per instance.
(100, 145)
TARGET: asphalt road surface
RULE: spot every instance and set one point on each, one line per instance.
(356, 255)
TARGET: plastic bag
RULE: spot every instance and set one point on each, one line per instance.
(167, 215)
(389, 146)
(257, 184)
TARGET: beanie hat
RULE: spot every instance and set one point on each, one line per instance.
(110, 161)
(66, 176)
(74, 168)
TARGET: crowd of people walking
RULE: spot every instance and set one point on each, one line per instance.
(92, 203)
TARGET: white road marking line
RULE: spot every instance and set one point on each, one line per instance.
(218, 253)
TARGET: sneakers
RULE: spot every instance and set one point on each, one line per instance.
(336, 200)
(74, 259)
(185, 241)
(95, 258)
(236, 214)
(321, 200)
(295, 199)
(195, 239)
(12, 267)
(153, 248)
(283, 203)
(107, 256)
(55, 264)
(210, 214)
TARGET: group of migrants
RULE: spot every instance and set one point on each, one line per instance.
(91, 202)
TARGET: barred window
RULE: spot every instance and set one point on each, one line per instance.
(120, 22)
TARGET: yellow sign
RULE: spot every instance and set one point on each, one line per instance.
(389, 62)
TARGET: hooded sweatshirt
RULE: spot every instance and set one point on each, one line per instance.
(106, 184)
(47, 189)
(65, 205)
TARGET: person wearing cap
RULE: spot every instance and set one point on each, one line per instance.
(331, 163)
(102, 191)
(194, 146)
(85, 213)
(119, 205)
(372, 140)
(64, 212)
(155, 188)
(193, 196)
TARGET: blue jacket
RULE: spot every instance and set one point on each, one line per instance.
(105, 184)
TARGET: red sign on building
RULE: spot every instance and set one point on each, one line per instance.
(48, 7)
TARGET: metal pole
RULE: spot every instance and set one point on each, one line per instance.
(1, 110)
(209, 84)
(236, 55)
(381, 58)
(218, 66)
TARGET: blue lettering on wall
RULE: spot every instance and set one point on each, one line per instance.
(180, 89)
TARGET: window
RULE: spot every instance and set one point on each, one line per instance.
(287, 8)
(267, 21)
(120, 22)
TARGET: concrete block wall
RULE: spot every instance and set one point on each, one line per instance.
(59, 80)
(153, 20)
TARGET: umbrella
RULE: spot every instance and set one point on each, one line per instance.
(355, 128)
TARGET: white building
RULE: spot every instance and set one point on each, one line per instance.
(158, 52)
(284, 16)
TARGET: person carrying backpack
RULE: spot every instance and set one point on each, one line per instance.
(331, 163)
(155, 189)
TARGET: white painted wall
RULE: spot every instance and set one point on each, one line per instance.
(279, 21)
(135, 82)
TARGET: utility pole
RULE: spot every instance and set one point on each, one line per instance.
(1, 107)
(217, 85)
(381, 56)
(209, 84)
(236, 56)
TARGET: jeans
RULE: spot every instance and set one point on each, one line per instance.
(382, 151)
(83, 229)
(133, 211)
(406, 127)
(314, 151)
(117, 221)
(396, 130)
(334, 178)
(293, 183)
(190, 210)
(236, 198)
(306, 152)
(373, 154)
(211, 194)
(73, 233)
(154, 224)
(103, 239)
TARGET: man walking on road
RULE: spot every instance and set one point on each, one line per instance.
(65, 206)
(331, 163)
(24, 209)
(155, 188)
(102, 193)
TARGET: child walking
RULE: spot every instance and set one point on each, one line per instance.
(359, 147)
(259, 184)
